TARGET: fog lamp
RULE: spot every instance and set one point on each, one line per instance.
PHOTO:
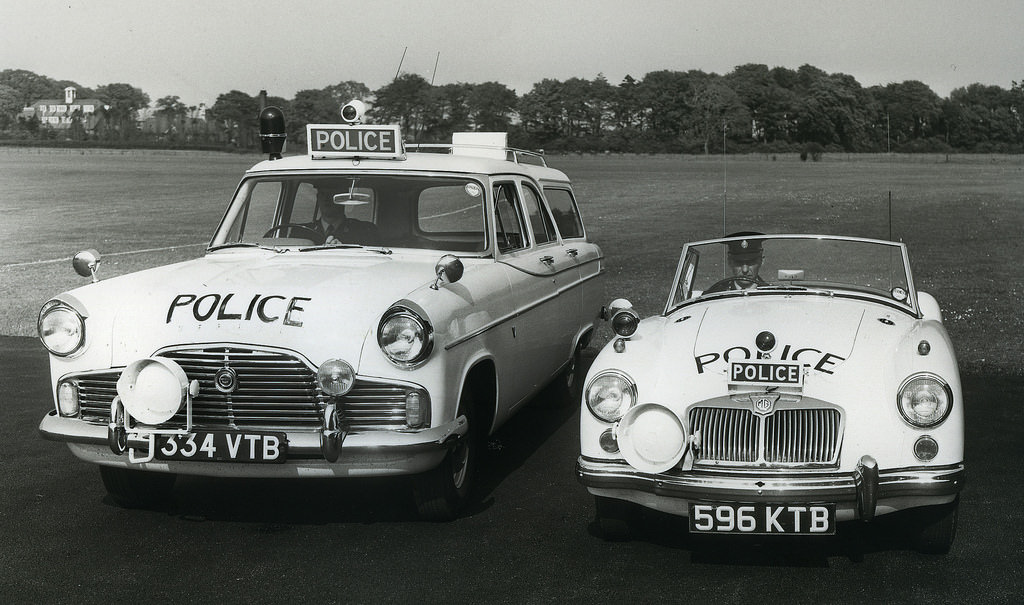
(67, 398)
(651, 438)
(335, 377)
(926, 448)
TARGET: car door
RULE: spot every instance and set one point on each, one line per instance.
(538, 268)
(585, 254)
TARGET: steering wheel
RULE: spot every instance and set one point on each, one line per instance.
(317, 237)
(735, 280)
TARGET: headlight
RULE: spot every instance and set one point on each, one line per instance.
(335, 377)
(610, 394)
(61, 328)
(404, 336)
(924, 400)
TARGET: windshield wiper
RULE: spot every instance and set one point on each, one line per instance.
(244, 245)
(329, 246)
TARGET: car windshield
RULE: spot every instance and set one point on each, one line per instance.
(738, 266)
(389, 211)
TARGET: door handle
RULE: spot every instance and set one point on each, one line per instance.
(547, 260)
(572, 252)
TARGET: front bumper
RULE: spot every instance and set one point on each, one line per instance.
(865, 492)
(368, 453)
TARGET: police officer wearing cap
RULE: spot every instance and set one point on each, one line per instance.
(745, 258)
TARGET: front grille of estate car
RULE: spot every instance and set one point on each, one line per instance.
(789, 437)
(275, 391)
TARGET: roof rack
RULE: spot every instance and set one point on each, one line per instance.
(519, 156)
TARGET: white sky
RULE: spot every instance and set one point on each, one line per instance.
(198, 49)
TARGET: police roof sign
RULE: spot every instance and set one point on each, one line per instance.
(354, 141)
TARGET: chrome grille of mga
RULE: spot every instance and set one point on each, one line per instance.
(736, 436)
(274, 390)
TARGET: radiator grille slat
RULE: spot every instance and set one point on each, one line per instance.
(787, 437)
(275, 391)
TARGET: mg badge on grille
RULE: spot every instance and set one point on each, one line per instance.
(226, 380)
(764, 404)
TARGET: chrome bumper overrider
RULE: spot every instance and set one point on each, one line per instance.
(301, 445)
(863, 489)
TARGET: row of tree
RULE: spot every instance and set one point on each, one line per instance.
(752, 108)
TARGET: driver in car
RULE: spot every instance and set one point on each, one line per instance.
(745, 258)
(338, 228)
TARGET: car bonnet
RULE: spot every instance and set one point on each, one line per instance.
(323, 305)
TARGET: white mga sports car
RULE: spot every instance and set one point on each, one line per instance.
(365, 309)
(792, 382)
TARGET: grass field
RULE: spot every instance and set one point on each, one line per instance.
(961, 217)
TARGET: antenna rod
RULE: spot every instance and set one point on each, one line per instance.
(725, 183)
(438, 58)
(399, 70)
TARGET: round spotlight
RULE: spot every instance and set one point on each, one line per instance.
(651, 438)
(153, 389)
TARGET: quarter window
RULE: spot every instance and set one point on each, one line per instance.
(508, 219)
(567, 215)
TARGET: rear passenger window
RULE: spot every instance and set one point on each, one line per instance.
(540, 222)
(567, 215)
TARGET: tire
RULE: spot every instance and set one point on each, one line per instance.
(442, 493)
(131, 488)
(936, 528)
(614, 518)
(568, 385)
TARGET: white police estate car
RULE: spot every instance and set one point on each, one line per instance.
(361, 310)
(792, 382)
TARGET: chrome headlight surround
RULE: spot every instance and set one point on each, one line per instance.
(61, 328)
(404, 337)
(924, 400)
(610, 394)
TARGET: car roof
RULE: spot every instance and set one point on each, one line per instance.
(413, 162)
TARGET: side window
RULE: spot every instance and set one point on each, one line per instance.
(567, 216)
(508, 219)
(540, 223)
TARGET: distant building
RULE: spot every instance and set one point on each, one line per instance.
(59, 114)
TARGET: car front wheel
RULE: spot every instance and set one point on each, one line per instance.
(614, 518)
(936, 528)
(137, 489)
(443, 492)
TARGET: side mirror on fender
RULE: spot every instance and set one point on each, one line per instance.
(448, 269)
(86, 263)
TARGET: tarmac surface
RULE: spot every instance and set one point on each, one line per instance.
(529, 538)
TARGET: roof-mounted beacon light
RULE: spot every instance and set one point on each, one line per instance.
(353, 112)
(272, 132)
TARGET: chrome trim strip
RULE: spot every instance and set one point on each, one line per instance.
(495, 323)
